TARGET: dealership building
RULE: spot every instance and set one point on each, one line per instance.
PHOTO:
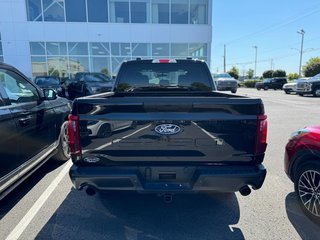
(62, 37)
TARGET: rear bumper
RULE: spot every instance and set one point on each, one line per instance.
(167, 179)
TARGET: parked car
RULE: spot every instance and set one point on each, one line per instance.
(33, 127)
(291, 87)
(271, 83)
(225, 82)
(106, 128)
(50, 82)
(302, 165)
(89, 83)
(311, 86)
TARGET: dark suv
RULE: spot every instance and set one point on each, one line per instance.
(89, 83)
(271, 83)
(33, 127)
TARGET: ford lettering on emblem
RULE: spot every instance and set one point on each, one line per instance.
(167, 129)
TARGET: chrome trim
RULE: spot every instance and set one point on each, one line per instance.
(26, 167)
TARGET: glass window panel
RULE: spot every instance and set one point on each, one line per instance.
(119, 11)
(1, 53)
(120, 49)
(76, 11)
(1, 59)
(199, 11)
(56, 48)
(160, 11)
(179, 11)
(37, 48)
(34, 11)
(78, 64)
(116, 63)
(58, 66)
(198, 49)
(78, 48)
(179, 49)
(53, 10)
(160, 49)
(100, 49)
(97, 10)
(141, 49)
(39, 66)
(101, 64)
(139, 11)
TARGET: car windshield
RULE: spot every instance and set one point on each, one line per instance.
(47, 81)
(97, 77)
(178, 76)
(221, 75)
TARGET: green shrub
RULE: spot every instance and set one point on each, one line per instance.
(250, 83)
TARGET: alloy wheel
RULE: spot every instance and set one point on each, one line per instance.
(309, 191)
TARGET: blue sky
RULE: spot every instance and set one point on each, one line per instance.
(272, 26)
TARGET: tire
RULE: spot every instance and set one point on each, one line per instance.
(265, 88)
(258, 89)
(307, 189)
(316, 92)
(287, 91)
(104, 131)
(133, 125)
(63, 153)
(300, 94)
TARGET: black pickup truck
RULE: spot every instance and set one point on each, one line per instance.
(187, 137)
(33, 127)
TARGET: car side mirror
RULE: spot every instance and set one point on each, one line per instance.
(49, 94)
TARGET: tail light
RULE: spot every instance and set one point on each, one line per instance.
(74, 136)
(261, 134)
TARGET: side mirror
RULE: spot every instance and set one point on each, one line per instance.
(49, 94)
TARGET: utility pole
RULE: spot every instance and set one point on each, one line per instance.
(255, 61)
(271, 67)
(224, 59)
(302, 32)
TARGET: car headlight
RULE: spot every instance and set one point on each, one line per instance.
(95, 89)
(299, 133)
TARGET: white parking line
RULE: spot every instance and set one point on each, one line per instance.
(25, 221)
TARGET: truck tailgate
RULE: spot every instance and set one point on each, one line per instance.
(165, 130)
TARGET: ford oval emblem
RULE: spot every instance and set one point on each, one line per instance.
(167, 129)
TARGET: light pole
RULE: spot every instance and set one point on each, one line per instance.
(224, 58)
(255, 61)
(302, 32)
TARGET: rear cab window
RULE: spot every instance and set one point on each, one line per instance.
(157, 75)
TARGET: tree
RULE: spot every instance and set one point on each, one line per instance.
(234, 72)
(250, 73)
(279, 73)
(53, 72)
(267, 74)
(292, 76)
(105, 71)
(312, 67)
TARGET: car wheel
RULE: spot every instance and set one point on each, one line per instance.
(104, 131)
(307, 188)
(265, 88)
(234, 90)
(63, 153)
(133, 125)
(316, 92)
(258, 89)
(300, 94)
(287, 91)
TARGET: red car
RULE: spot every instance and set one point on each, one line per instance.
(302, 165)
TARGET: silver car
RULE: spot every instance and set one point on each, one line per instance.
(225, 82)
(292, 86)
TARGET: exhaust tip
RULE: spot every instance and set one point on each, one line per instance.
(245, 191)
(90, 191)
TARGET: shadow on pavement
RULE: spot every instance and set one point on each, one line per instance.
(140, 216)
(305, 227)
(9, 201)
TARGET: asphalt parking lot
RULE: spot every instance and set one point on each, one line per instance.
(47, 207)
